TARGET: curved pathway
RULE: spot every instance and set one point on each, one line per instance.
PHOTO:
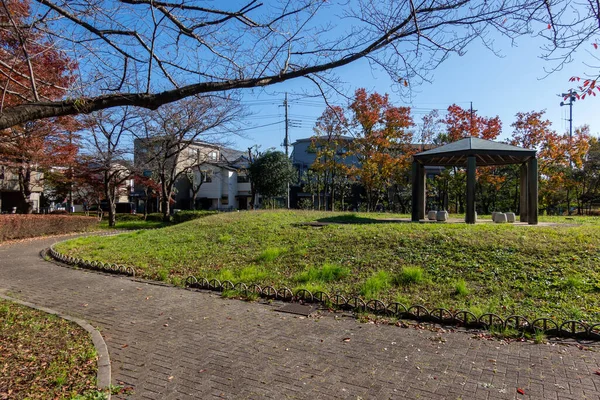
(170, 343)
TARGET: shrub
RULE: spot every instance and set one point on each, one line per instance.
(154, 217)
(408, 276)
(188, 215)
(128, 217)
(19, 226)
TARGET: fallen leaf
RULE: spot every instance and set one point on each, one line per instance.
(597, 372)
(346, 339)
(171, 377)
(520, 391)
(125, 345)
(166, 325)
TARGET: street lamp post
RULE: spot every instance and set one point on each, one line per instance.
(571, 96)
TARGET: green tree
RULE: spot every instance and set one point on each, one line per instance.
(271, 173)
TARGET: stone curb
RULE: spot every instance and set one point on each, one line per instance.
(104, 371)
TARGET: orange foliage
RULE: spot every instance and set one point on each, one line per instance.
(49, 73)
(383, 143)
(459, 124)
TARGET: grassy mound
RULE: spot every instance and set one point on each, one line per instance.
(506, 269)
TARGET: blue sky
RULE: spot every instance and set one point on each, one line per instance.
(496, 85)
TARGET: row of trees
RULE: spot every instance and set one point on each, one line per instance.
(370, 145)
(63, 60)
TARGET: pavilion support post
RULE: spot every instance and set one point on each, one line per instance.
(418, 192)
(415, 191)
(523, 194)
(532, 191)
(422, 191)
(471, 167)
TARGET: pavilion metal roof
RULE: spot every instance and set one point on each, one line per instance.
(486, 152)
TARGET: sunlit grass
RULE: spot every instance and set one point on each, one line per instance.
(505, 269)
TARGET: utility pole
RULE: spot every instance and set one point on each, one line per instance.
(286, 144)
(286, 141)
(571, 96)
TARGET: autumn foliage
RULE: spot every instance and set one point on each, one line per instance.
(382, 144)
(375, 151)
(34, 70)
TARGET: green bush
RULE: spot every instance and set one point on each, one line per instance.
(154, 217)
(127, 217)
(19, 226)
(184, 216)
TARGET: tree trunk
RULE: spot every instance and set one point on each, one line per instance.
(25, 189)
(112, 207)
(165, 201)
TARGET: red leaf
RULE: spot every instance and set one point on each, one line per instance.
(520, 391)
(549, 26)
(595, 45)
(583, 97)
(597, 372)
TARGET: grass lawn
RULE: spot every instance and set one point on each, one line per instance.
(533, 271)
(43, 356)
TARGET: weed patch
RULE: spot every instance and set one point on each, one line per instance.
(271, 253)
(327, 273)
(409, 276)
(376, 284)
(460, 288)
(47, 357)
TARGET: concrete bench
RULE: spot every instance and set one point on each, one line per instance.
(441, 216)
(510, 217)
(500, 218)
(432, 215)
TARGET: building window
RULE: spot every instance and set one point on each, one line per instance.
(243, 179)
(206, 176)
(212, 156)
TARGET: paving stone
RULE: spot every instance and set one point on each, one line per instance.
(221, 348)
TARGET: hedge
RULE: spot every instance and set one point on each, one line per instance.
(188, 215)
(20, 226)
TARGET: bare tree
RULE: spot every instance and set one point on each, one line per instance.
(110, 154)
(163, 144)
(196, 184)
(148, 53)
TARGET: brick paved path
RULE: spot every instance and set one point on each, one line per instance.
(176, 344)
